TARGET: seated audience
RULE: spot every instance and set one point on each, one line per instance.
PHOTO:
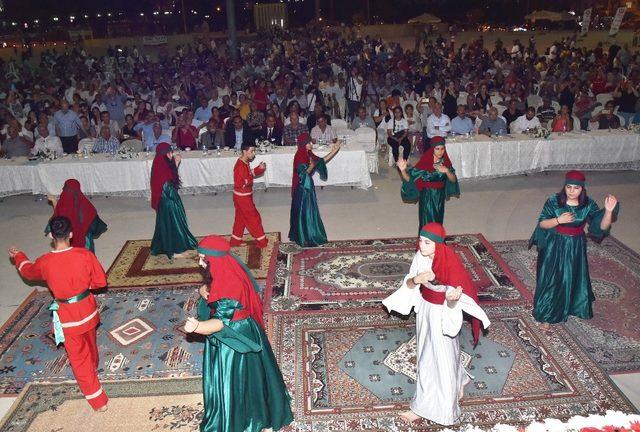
(106, 143)
(526, 122)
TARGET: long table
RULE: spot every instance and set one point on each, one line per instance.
(483, 157)
(106, 175)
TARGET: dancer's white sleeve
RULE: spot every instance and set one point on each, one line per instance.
(404, 298)
(452, 315)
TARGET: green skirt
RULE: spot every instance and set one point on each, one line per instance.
(431, 206)
(95, 230)
(563, 286)
(242, 385)
(172, 235)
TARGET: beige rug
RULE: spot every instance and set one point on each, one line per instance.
(134, 267)
(140, 406)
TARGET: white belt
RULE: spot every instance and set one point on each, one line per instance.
(242, 193)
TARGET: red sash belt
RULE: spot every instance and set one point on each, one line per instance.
(435, 297)
(570, 230)
(421, 184)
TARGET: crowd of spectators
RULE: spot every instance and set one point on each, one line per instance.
(284, 83)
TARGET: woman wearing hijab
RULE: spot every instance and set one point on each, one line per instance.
(171, 236)
(431, 182)
(306, 227)
(563, 286)
(86, 225)
(439, 289)
(243, 387)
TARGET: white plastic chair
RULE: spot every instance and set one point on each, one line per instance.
(367, 137)
(534, 101)
(339, 124)
(603, 98)
(86, 142)
(576, 123)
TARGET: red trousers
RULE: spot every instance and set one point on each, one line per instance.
(82, 351)
(247, 216)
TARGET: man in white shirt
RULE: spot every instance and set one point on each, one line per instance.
(215, 101)
(438, 124)
(353, 93)
(47, 142)
(526, 121)
(323, 132)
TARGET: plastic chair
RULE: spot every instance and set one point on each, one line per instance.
(603, 98)
(339, 124)
(367, 137)
(534, 101)
(86, 142)
(576, 122)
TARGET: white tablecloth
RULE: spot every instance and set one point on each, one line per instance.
(101, 174)
(483, 157)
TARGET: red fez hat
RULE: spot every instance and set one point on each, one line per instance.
(433, 231)
(436, 141)
(575, 178)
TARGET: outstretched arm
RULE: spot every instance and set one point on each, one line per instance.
(206, 328)
(609, 204)
(334, 150)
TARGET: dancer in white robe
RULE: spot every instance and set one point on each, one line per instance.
(438, 306)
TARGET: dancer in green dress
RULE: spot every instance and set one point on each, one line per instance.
(242, 384)
(430, 182)
(563, 286)
(85, 223)
(171, 236)
(305, 225)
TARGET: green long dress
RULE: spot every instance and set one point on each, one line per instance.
(563, 286)
(430, 201)
(172, 235)
(305, 225)
(98, 226)
(242, 384)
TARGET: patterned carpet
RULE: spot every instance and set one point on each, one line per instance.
(355, 371)
(345, 371)
(140, 337)
(134, 267)
(142, 405)
(357, 273)
(612, 336)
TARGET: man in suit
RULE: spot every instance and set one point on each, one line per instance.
(270, 132)
(237, 133)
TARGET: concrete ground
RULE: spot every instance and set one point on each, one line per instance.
(500, 209)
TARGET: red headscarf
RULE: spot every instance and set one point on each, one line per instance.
(426, 161)
(303, 156)
(75, 206)
(231, 278)
(449, 270)
(161, 173)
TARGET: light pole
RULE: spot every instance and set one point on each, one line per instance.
(231, 29)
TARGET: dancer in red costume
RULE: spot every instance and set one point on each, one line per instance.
(71, 273)
(247, 215)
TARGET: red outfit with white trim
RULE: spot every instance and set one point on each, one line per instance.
(247, 215)
(68, 273)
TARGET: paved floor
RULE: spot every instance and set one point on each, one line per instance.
(501, 209)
